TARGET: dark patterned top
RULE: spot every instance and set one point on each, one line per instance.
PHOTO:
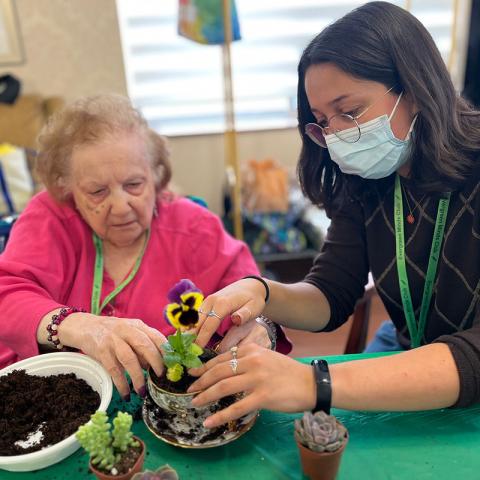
(361, 238)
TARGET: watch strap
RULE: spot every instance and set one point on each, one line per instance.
(324, 386)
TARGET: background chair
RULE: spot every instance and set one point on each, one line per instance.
(6, 225)
(357, 337)
(21, 122)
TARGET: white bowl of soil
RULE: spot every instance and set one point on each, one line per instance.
(47, 365)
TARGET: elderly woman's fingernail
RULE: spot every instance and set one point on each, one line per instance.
(126, 398)
(236, 319)
(142, 391)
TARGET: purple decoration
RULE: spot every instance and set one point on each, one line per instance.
(180, 288)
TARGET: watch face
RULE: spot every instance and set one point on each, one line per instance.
(321, 364)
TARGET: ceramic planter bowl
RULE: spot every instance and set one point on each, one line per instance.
(173, 419)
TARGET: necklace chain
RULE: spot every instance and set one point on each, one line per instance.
(410, 217)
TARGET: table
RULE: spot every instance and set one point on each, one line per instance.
(441, 444)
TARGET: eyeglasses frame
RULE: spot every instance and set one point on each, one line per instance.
(350, 117)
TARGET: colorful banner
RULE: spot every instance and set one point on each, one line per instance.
(202, 21)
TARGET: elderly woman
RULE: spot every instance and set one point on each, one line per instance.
(101, 248)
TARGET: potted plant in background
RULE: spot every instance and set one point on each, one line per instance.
(321, 440)
(114, 453)
(168, 411)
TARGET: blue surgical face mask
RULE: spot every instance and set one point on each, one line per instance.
(376, 154)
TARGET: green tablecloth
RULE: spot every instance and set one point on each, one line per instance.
(440, 444)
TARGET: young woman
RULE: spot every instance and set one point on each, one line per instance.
(392, 152)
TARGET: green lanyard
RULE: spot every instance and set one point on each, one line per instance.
(96, 308)
(416, 334)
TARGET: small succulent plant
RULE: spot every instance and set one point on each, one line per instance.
(320, 432)
(163, 473)
(179, 352)
(104, 445)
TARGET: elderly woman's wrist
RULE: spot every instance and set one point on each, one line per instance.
(271, 329)
(72, 330)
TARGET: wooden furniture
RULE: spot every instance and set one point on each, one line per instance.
(21, 122)
(357, 337)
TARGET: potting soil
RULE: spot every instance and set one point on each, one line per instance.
(36, 412)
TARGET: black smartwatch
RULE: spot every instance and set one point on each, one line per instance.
(324, 386)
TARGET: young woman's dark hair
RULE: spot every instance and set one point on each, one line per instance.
(384, 43)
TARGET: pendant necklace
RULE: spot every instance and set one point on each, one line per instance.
(410, 217)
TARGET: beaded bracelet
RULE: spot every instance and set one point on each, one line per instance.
(57, 319)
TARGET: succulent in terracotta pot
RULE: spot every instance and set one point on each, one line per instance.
(163, 473)
(114, 452)
(321, 439)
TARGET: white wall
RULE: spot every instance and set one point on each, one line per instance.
(198, 161)
(73, 49)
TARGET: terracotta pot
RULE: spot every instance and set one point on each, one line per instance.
(137, 467)
(320, 465)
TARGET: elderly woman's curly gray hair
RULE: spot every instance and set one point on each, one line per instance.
(90, 121)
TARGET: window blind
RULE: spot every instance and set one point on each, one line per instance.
(178, 84)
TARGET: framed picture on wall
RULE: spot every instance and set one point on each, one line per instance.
(11, 50)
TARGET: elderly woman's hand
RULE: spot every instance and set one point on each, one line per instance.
(249, 332)
(119, 344)
(244, 300)
(271, 380)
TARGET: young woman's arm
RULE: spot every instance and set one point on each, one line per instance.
(421, 379)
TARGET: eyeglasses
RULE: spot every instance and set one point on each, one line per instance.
(344, 126)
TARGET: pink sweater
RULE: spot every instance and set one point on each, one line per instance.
(50, 256)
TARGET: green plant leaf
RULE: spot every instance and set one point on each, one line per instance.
(176, 341)
(188, 339)
(171, 359)
(196, 349)
(192, 361)
(167, 348)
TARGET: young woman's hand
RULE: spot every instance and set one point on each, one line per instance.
(119, 344)
(269, 379)
(244, 300)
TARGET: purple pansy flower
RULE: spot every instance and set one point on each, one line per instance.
(183, 286)
(185, 300)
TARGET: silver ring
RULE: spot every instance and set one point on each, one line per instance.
(233, 365)
(212, 313)
(234, 350)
